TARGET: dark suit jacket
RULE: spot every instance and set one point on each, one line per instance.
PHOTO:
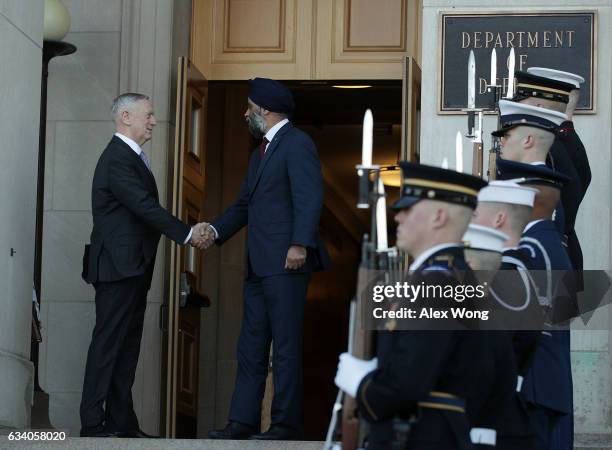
(127, 217)
(280, 204)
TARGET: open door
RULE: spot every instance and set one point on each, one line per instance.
(411, 110)
(181, 309)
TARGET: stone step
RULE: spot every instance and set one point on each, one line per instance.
(75, 443)
(601, 442)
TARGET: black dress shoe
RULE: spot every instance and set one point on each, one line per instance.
(135, 434)
(278, 433)
(233, 430)
(97, 431)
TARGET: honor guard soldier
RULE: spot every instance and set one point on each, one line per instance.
(507, 206)
(414, 393)
(547, 387)
(526, 135)
(495, 391)
(558, 90)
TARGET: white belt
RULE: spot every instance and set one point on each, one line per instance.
(487, 436)
(519, 383)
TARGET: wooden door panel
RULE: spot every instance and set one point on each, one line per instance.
(240, 39)
(363, 39)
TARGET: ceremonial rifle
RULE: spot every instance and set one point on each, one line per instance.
(376, 259)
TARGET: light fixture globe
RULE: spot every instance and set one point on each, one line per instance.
(56, 22)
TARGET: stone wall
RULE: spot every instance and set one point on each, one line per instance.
(121, 46)
(21, 28)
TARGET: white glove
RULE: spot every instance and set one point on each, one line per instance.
(351, 371)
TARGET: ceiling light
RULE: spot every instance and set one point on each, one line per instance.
(352, 86)
(390, 175)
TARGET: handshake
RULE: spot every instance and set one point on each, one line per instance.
(203, 236)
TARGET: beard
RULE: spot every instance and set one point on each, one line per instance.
(257, 125)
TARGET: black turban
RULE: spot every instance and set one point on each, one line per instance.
(271, 95)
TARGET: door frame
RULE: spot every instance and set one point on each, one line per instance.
(182, 171)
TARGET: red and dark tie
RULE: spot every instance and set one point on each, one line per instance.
(262, 147)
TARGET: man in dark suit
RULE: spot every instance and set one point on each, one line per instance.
(127, 224)
(280, 203)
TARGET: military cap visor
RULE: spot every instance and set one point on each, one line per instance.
(530, 85)
(513, 114)
(405, 202)
(530, 174)
(559, 75)
(421, 182)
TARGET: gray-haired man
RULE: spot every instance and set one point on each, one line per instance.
(128, 222)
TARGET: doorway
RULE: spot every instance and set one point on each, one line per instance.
(333, 118)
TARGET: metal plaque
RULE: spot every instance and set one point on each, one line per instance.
(557, 40)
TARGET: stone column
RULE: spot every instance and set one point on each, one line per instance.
(21, 31)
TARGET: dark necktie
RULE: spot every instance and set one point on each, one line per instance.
(262, 147)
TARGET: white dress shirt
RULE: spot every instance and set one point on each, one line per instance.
(133, 145)
(269, 136)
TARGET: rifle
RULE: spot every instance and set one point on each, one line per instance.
(376, 258)
(477, 155)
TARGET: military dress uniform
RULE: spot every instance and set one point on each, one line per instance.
(423, 377)
(514, 428)
(567, 154)
(499, 414)
(547, 387)
(494, 395)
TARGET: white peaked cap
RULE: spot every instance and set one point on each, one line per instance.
(559, 75)
(532, 114)
(507, 192)
(478, 237)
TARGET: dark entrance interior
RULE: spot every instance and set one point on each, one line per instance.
(333, 118)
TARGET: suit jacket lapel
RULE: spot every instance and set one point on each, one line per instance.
(270, 150)
(149, 176)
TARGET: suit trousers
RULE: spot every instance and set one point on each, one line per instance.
(113, 353)
(273, 312)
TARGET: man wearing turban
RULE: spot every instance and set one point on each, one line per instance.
(280, 203)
